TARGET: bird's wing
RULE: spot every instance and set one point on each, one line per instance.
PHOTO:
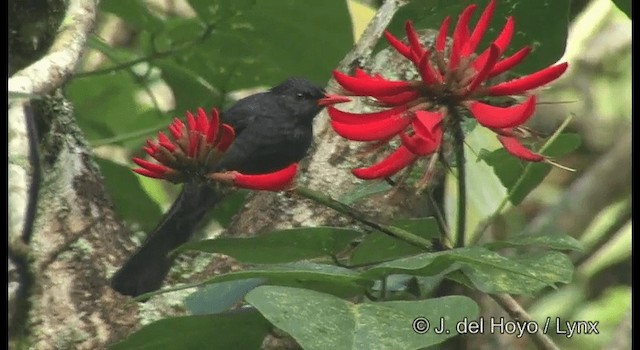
(245, 112)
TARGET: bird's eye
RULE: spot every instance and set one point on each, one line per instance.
(301, 95)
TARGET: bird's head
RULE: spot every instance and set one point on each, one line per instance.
(303, 98)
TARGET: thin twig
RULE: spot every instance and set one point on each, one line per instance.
(519, 314)
(362, 218)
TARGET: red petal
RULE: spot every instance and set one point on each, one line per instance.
(356, 118)
(494, 53)
(191, 121)
(414, 40)
(399, 99)
(427, 72)
(420, 146)
(274, 181)
(156, 168)
(365, 87)
(479, 30)
(531, 81)
(513, 146)
(148, 173)
(227, 135)
(397, 160)
(501, 42)
(509, 62)
(425, 124)
(202, 121)
(403, 49)
(164, 141)
(460, 35)
(372, 131)
(441, 41)
(176, 128)
(214, 126)
(503, 117)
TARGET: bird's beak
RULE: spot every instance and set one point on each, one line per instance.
(329, 100)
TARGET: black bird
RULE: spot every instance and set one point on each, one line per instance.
(273, 130)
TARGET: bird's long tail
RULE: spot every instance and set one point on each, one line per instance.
(147, 268)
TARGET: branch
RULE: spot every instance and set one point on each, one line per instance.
(517, 313)
(52, 70)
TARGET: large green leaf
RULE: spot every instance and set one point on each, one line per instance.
(240, 329)
(132, 203)
(548, 40)
(550, 240)
(489, 271)
(321, 321)
(378, 246)
(624, 6)
(280, 246)
(218, 297)
(325, 278)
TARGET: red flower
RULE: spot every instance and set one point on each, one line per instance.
(420, 111)
(196, 147)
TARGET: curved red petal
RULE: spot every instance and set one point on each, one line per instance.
(427, 73)
(509, 62)
(460, 35)
(370, 87)
(358, 118)
(531, 81)
(227, 135)
(441, 40)
(191, 121)
(193, 143)
(214, 126)
(151, 146)
(372, 131)
(202, 121)
(502, 41)
(274, 181)
(397, 160)
(154, 167)
(426, 122)
(403, 49)
(148, 173)
(479, 30)
(164, 141)
(515, 148)
(414, 41)
(503, 117)
(494, 54)
(420, 146)
(399, 99)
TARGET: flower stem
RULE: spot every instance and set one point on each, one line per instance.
(458, 139)
(358, 216)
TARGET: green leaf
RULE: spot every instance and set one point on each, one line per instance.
(518, 275)
(241, 329)
(325, 278)
(490, 272)
(510, 169)
(263, 44)
(321, 321)
(365, 189)
(549, 240)
(280, 246)
(218, 297)
(132, 203)
(624, 6)
(135, 12)
(548, 40)
(378, 246)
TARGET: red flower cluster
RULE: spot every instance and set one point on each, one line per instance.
(196, 148)
(418, 111)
